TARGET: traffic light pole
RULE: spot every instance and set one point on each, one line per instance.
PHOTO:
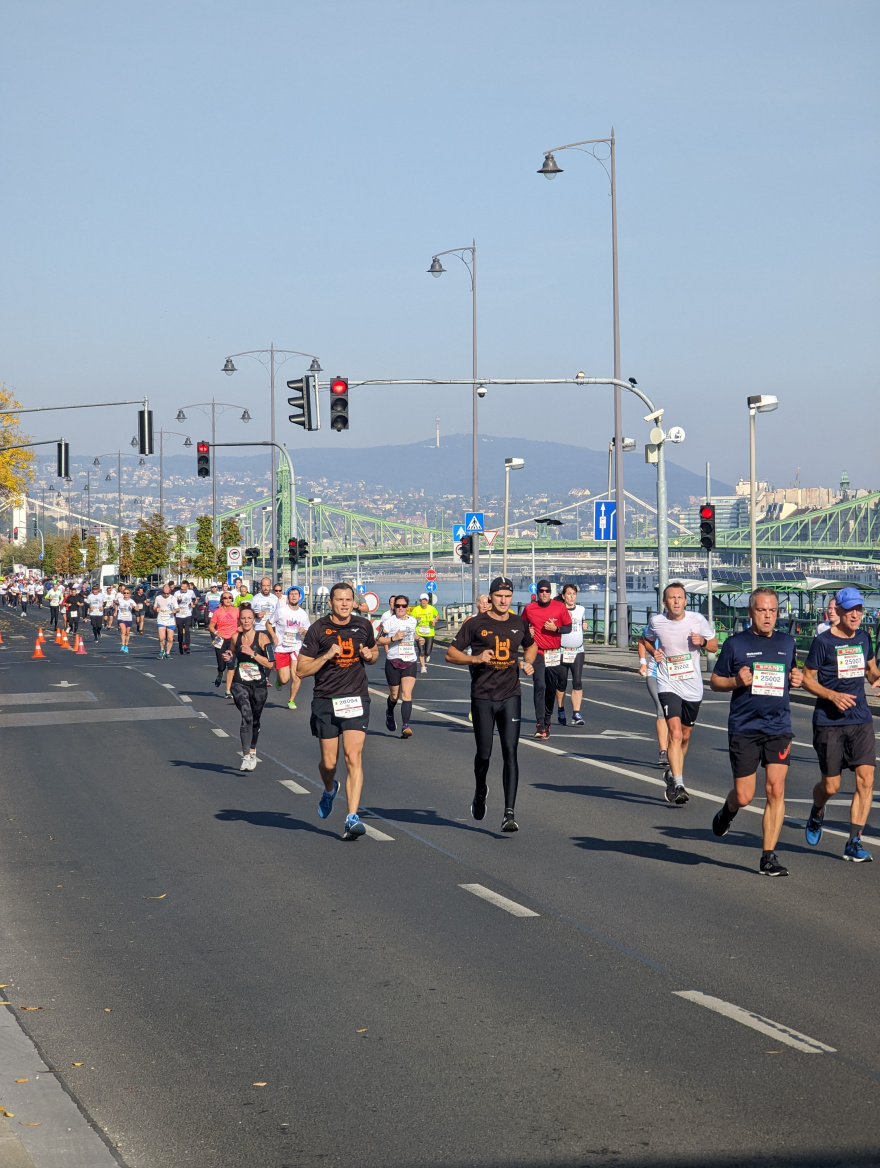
(709, 551)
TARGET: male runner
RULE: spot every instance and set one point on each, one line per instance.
(163, 606)
(334, 651)
(54, 595)
(572, 659)
(264, 605)
(837, 664)
(757, 668)
(549, 621)
(831, 617)
(494, 639)
(674, 641)
(426, 618)
(96, 612)
(184, 598)
(244, 595)
(291, 623)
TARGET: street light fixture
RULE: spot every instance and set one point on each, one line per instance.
(758, 404)
(509, 465)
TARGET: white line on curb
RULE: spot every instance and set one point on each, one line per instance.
(774, 1030)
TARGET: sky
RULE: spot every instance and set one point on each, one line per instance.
(185, 179)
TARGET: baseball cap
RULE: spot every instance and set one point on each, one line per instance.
(424, 596)
(849, 598)
(499, 584)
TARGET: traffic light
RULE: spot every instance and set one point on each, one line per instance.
(83, 534)
(145, 431)
(707, 526)
(203, 459)
(302, 551)
(63, 460)
(15, 535)
(304, 391)
(339, 403)
(291, 552)
(251, 554)
(467, 546)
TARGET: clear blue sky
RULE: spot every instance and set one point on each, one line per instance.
(187, 179)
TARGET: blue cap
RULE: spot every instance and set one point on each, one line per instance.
(849, 598)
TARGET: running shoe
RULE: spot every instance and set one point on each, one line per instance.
(291, 705)
(406, 732)
(681, 795)
(161, 657)
(125, 648)
(669, 793)
(722, 821)
(246, 763)
(424, 669)
(508, 822)
(353, 827)
(218, 680)
(577, 720)
(539, 731)
(478, 807)
(814, 827)
(560, 716)
(855, 852)
(228, 696)
(326, 804)
(770, 866)
(663, 760)
(390, 724)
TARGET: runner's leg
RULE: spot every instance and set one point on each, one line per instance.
(484, 723)
(352, 748)
(507, 719)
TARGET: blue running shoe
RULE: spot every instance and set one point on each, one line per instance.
(577, 720)
(814, 828)
(353, 827)
(855, 852)
(326, 804)
(560, 717)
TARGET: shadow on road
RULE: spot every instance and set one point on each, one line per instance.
(654, 850)
(429, 819)
(271, 819)
(599, 792)
(218, 767)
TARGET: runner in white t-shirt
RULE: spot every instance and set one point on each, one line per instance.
(290, 623)
(397, 633)
(163, 606)
(126, 610)
(184, 599)
(674, 641)
(572, 659)
(96, 612)
(264, 604)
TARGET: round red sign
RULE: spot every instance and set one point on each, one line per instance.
(430, 574)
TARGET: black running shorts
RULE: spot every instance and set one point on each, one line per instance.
(843, 748)
(393, 674)
(325, 724)
(749, 751)
(676, 707)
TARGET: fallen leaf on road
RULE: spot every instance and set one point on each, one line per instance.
(3, 987)
(364, 1031)
(21, 1123)
(32, 1007)
(259, 1084)
(162, 897)
(77, 1064)
(107, 1010)
(774, 1052)
(22, 1080)
(8, 1114)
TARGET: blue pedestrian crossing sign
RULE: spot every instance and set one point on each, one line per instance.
(457, 532)
(604, 520)
(233, 576)
(431, 586)
(473, 522)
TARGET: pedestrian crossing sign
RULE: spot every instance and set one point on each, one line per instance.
(473, 522)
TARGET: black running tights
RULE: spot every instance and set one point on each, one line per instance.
(250, 700)
(505, 716)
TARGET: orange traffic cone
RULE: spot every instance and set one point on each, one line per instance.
(80, 647)
(57, 635)
(40, 637)
(1, 640)
(65, 644)
(38, 652)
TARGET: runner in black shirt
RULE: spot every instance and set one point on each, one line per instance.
(251, 656)
(334, 651)
(494, 639)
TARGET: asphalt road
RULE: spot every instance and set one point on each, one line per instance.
(194, 932)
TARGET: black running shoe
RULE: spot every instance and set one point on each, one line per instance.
(508, 822)
(669, 793)
(478, 807)
(680, 796)
(722, 821)
(770, 866)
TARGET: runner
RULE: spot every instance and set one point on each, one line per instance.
(244, 595)
(222, 624)
(572, 659)
(398, 634)
(648, 670)
(96, 613)
(832, 617)
(40, 591)
(837, 664)
(24, 597)
(549, 621)
(291, 624)
(163, 607)
(212, 597)
(494, 639)
(139, 596)
(76, 607)
(125, 610)
(54, 596)
(426, 618)
(757, 668)
(184, 598)
(334, 651)
(251, 653)
(264, 605)
(110, 594)
(674, 641)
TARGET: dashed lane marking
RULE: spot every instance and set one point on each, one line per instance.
(185, 698)
(774, 1030)
(292, 786)
(374, 833)
(220, 733)
(166, 685)
(511, 906)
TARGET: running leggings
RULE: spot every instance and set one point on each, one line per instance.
(425, 649)
(505, 716)
(544, 682)
(576, 668)
(250, 700)
(53, 616)
(184, 624)
(97, 625)
(651, 683)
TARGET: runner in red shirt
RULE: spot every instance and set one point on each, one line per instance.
(548, 619)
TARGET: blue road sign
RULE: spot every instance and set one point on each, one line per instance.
(473, 522)
(41, 555)
(361, 588)
(430, 585)
(233, 576)
(457, 532)
(604, 519)
(533, 588)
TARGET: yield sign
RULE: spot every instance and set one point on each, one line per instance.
(490, 536)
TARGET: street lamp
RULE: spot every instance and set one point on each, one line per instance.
(187, 442)
(436, 269)
(627, 445)
(509, 465)
(108, 478)
(203, 408)
(550, 168)
(269, 357)
(759, 404)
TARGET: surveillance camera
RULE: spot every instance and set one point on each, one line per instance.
(655, 417)
(481, 391)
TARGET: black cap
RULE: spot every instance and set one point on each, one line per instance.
(500, 583)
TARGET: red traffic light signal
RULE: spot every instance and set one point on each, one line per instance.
(707, 526)
(203, 459)
(467, 546)
(339, 404)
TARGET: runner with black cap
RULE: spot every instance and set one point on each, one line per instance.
(494, 639)
(549, 620)
(837, 664)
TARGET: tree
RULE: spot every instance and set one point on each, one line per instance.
(109, 556)
(91, 553)
(230, 536)
(126, 558)
(205, 562)
(152, 543)
(16, 466)
(179, 548)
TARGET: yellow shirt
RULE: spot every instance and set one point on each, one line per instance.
(425, 617)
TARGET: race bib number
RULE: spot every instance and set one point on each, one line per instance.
(568, 656)
(217, 642)
(768, 679)
(249, 671)
(348, 707)
(552, 657)
(680, 666)
(425, 630)
(850, 661)
(290, 641)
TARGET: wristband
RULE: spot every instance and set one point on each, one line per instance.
(643, 661)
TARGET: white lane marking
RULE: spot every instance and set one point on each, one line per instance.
(167, 685)
(292, 786)
(774, 1030)
(185, 698)
(220, 733)
(145, 675)
(374, 833)
(515, 910)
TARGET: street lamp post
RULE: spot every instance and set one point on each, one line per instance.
(550, 169)
(261, 355)
(509, 465)
(187, 442)
(313, 502)
(204, 407)
(436, 269)
(108, 478)
(759, 404)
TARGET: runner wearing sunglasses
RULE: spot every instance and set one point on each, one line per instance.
(397, 633)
